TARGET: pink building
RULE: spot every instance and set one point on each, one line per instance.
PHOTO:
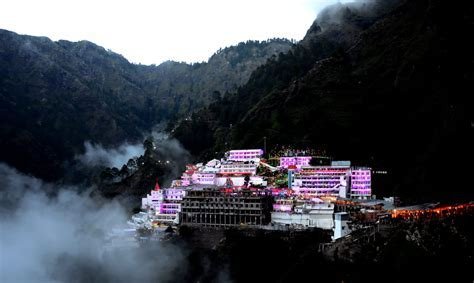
(298, 161)
(339, 179)
(165, 202)
(314, 181)
(204, 178)
(187, 177)
(244, 154)
(238, 168)
(283, 205)
(361, 182)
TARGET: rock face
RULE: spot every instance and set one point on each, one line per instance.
(374, 82)
(56, 95)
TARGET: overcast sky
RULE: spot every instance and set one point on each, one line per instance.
(153, 31)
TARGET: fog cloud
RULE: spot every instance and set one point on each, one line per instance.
(57, 234)
(170, 149)
(97, 155)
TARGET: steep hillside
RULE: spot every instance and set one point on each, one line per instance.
(184, 88)
(335, 29)
(384, 83)
(56, 95)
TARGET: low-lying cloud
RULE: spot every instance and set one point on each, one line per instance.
(170, 149)
(97, 155)
(57, 234)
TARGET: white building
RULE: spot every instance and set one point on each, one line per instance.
(315, 215)
(204, 178)
(164, 204)
(341, 227)
(213, 163)
(239, 181)
(238, 168)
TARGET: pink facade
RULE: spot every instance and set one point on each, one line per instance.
(297, 161)
(282, 207)
(186, 179)
(361, 185)
(173, 194)
(244, 154)
(204, 178)
(165, 201)
(153, 200)
(170, 208)
(238, 168)
(330, 180)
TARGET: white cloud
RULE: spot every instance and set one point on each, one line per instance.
(97, 155)
(148, 32)
(60, 237)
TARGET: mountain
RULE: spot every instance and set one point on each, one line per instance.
(382, 83)
(56, 95)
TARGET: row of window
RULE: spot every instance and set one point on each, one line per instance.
(246, 205)
(361, 183)
(231, 199)
(218, 211)
(360, 172)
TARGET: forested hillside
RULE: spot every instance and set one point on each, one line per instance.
(385, 84)
(56, 95)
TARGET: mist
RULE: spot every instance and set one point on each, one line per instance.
(53, 233)
(171, 150)
(342, 12)
(97, 155)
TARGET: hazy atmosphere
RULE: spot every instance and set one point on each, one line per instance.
(69, 231)
(150, 32)
(236, 141)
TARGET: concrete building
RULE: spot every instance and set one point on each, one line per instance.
(244, 154)
(314, 181)
(165, 204)
(298, 161)
(238, 168)
(338, 180)
(238, 181)
(306, 215)
(341, 227)
(361, 183)
(204, 178)
(216, 208)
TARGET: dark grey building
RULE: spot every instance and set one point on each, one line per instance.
(214, 207)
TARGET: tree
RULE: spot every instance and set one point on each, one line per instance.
(246, 180)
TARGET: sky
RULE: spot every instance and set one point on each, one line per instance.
(153, 31)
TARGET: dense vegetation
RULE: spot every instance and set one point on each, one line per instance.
(56, 95)
(385, 83)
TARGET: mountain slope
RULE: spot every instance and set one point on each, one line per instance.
(56, 95)
(390, 91)
(336, 28)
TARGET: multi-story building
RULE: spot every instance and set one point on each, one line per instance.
(213, 207)
(165, 204)
(204, 178)
(339, 179)
(244, 154)
(320, 180)
(298, 161)
(361, 182)
(239, 181)
(238, 168)
(304, 215)
(283, 205)
(341, 225)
